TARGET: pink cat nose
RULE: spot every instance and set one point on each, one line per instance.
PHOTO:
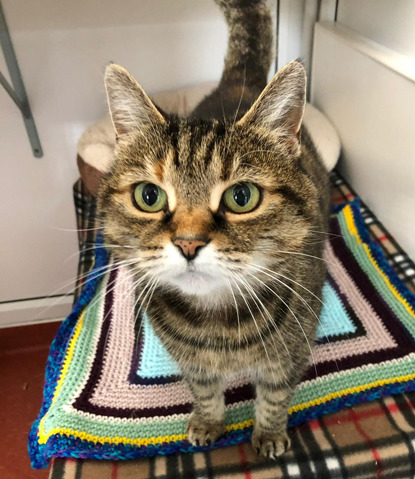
(189, 247)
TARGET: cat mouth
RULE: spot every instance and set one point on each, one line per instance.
(195, 282)
(193, 275)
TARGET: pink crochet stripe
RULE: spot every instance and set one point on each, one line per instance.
(376, 338)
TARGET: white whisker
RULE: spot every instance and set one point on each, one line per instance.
(236, 307)
(256, 325)
(304, 301)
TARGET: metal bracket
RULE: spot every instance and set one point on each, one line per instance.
(16, 90)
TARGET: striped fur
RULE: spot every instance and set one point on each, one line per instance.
(262, 272)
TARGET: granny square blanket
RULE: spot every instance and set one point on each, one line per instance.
(113, 392)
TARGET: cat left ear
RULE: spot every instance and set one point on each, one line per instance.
(131, 109)
(280, 107)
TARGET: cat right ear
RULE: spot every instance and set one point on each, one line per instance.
(130, 108)
(280, 107)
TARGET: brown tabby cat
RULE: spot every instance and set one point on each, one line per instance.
(220, 215)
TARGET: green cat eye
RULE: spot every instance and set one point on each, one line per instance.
(149, 197)
(241, 198)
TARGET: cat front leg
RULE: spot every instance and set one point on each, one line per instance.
(207, 421)
(269, 438)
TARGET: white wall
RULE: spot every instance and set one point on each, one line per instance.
(368, 92)
(62, 48)
(296, 24)
(388, 22)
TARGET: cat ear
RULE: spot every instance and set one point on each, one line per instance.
(131, 109)
(280, 107)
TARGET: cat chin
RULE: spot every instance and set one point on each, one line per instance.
(194, 283)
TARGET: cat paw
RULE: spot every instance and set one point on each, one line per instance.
(269, 445)
(202, 433)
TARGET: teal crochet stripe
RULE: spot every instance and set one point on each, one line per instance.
(333, 320)
(99, 403)
(378, 281)
(379, 256)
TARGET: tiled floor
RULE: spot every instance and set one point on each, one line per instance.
(23, 353)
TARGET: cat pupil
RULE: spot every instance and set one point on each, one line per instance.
(241, 195)
(150, 194)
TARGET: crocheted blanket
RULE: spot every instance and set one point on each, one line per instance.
(113, 392)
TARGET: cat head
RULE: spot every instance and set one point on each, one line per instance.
(202, 207)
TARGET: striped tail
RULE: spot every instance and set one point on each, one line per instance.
(249, 54)
(248, 59)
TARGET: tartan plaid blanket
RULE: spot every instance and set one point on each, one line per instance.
(375, 439)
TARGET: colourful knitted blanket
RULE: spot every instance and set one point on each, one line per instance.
(113, 392)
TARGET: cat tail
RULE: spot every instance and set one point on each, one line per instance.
(247, 61)
(250, 43)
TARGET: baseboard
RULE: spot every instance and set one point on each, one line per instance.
(34, 311)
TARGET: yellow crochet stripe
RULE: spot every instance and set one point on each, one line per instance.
(348, 213)
(69, 355)
(125, 440)
(111, 440)
(355, 389)
(240, 425)
(64, 371)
